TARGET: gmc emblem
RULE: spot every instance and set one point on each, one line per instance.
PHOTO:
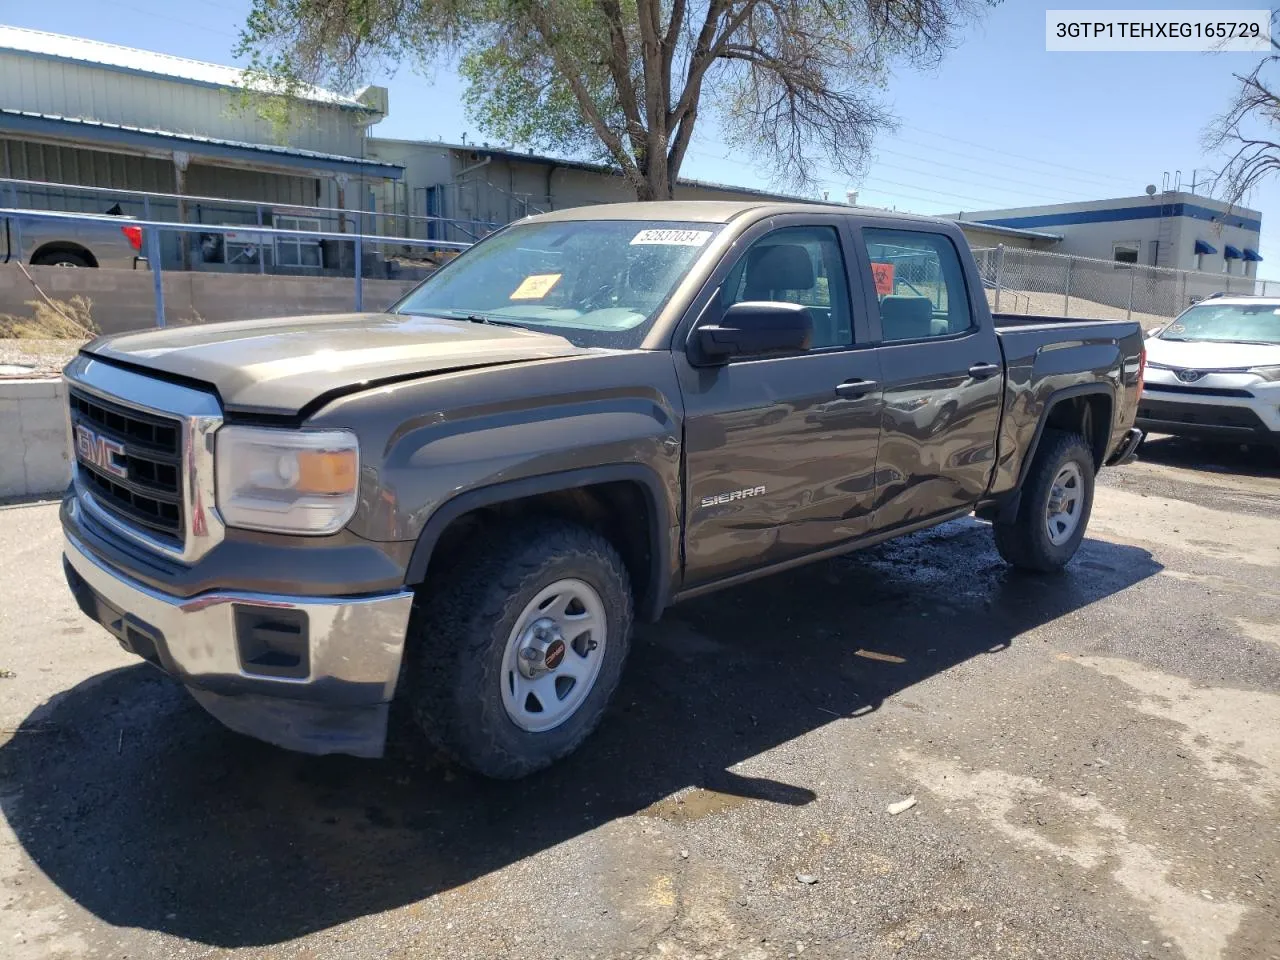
(102, 453)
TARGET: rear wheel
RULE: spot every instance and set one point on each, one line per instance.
(1057, 498)
(515, 652)
(60, 258)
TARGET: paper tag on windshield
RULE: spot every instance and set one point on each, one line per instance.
(677, 238)
(535, 286)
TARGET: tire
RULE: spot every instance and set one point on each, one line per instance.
(60, 258)
(1027, 541)
(466, 633)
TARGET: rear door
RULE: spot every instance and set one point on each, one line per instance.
(941, 368)
(780, 453)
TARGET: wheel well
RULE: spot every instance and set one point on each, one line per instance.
(620, 511)
(1088, 415)
(63, 246)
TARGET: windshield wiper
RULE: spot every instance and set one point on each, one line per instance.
(464, 315)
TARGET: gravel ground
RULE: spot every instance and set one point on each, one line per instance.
(44, 357)
(1094, 759)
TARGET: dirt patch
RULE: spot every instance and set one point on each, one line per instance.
(1200, 927)
(1231, 732)
(39, 357)
(1125, 517)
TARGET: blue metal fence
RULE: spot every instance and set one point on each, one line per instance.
(48, 195)
(152, 231)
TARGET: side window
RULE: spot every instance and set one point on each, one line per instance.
(801, 265)
(919, 283)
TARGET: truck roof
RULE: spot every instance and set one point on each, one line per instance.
(716, 211)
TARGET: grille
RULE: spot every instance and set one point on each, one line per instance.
(1201, 391)
(145, 450)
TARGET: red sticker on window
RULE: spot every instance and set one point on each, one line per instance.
(883, 275)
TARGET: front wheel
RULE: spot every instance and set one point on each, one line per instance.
(516, 651)
(1057, 498)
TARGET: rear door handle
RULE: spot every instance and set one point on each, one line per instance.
(984, 371)
(853, 389)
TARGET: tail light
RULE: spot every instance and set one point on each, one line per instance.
(1142, 369)
(134, 236)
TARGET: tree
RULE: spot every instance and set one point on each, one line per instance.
(789, 82)
(1249, 131)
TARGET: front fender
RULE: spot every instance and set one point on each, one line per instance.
(431, 442)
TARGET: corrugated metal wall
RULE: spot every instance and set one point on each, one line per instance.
(24, 160)
(84, 91)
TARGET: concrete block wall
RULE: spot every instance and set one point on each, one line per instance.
(34, 458)
(125, 300)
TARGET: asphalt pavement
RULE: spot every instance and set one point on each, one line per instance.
(1094, 758)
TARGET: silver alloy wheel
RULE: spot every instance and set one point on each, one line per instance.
(1066, 504)
(553, 655)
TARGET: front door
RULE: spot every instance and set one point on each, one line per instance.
(940, 364)
(779, 456)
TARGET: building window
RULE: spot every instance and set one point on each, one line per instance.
(297, 251)
(1126, 252)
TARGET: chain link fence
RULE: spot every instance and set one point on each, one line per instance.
(1051, 284)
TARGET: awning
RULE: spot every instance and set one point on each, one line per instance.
(1205, 248)
(1232, 253)
(121, 138)
(1252, 255)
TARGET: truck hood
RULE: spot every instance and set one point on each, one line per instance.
(279, 366)
(1203, 355)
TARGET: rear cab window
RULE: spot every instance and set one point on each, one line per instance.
(919, 284)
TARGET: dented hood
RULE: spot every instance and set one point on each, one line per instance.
(280, 366)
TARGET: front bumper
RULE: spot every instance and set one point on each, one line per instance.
(1232, 422)
(313, 674)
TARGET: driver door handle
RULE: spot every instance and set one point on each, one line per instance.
(853, 389)
(984, 371)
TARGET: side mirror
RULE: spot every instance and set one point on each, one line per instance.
(1151, 332)
(753, 328)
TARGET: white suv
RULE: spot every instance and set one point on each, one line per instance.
(1214, 372)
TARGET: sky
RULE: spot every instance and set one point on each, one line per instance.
(1001, 123)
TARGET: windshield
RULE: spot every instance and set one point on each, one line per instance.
(1227, 323)
(597, 283)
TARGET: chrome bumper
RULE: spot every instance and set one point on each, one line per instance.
(336, 704)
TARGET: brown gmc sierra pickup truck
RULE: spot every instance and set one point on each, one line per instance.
(462, 503)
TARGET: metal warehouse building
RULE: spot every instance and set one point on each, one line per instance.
(1172, 228)
(96, 114)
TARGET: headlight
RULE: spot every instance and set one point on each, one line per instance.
(286, 481)
(1266, 373)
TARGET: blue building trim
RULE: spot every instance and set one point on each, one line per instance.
(1116, 214)
(88, 133)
